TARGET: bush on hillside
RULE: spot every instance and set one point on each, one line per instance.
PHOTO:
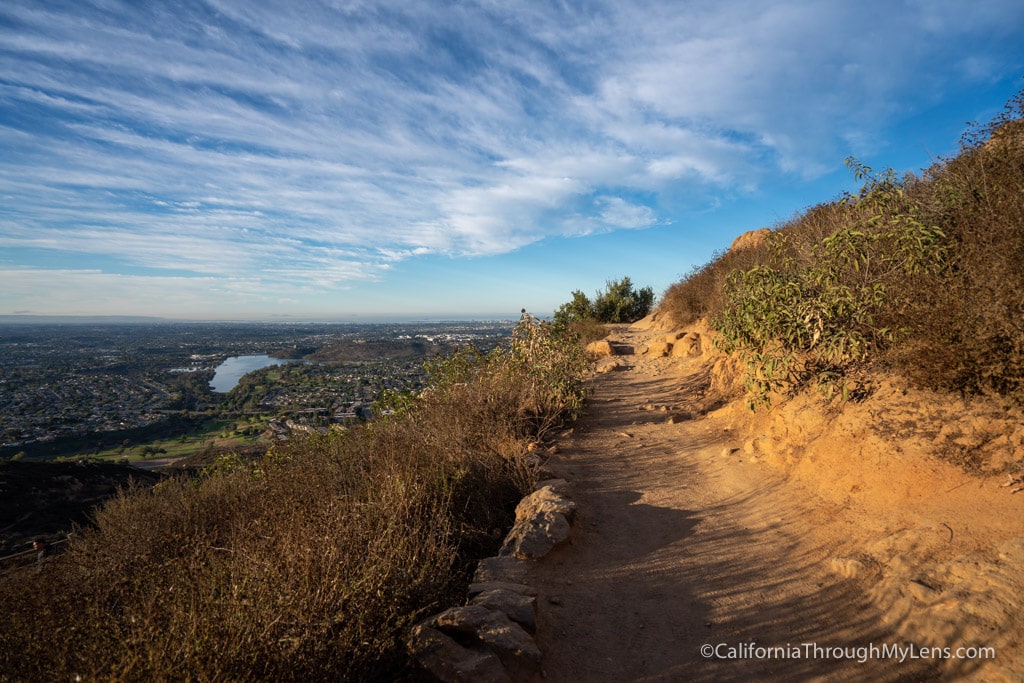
(816, 316)
(701, 293)
(970, 321)
(311, 562)
(923, 273)
(587, 331)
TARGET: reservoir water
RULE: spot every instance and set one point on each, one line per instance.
(231, 370)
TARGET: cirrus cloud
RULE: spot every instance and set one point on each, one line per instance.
(321, 143)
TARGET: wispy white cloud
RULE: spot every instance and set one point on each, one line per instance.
(320, 143)
(616, 212)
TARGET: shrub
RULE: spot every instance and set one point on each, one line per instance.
(579, 309)
(620, 302)
(969, 322)
(817, 315)
(588, 331)
(921, 273)
(701, 293)
(533, 384)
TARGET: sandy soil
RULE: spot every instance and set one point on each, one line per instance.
(687, 538)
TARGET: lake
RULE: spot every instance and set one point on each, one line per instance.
(231, 370)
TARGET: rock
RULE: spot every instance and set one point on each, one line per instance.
(546, 499)
(601, 348)
(483, 628)
(556, 484)
(478, 588)
(490, 639)
(920, 591)
(444, 659)
(693, 344)
(749, 239)
(658, 349)
(688, 346)
(646, 323)
(518, 607)
(535, 537)
(609, 365)
(507, 569)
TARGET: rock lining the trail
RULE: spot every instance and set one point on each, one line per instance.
(493, 637)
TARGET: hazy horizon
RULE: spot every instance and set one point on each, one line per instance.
(31, 318)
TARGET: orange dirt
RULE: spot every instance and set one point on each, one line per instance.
(812, 524)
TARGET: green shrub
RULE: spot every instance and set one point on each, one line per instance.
(923, 274)
(814, 317)
(620, 302)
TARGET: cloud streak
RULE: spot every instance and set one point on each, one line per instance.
(320, 143)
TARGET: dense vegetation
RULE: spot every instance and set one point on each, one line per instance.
(619, 302)
(921, 273)
(311, 562)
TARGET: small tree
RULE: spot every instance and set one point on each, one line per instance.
(618, 303)
(621, 303)
(577, 310)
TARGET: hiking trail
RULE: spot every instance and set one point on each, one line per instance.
(680, 542)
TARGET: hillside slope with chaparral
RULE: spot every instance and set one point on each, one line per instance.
(806, 464)
(809, 461)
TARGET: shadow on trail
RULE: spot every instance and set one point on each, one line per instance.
(644, 587)
(641, 532)
(667, 557)
(766, 589)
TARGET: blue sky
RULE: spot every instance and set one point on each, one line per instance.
(347, 159)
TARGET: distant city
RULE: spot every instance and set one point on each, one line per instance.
(80, 387)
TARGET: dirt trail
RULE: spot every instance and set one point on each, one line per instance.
(678, 546)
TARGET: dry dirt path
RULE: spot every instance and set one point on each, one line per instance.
(678, 546)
